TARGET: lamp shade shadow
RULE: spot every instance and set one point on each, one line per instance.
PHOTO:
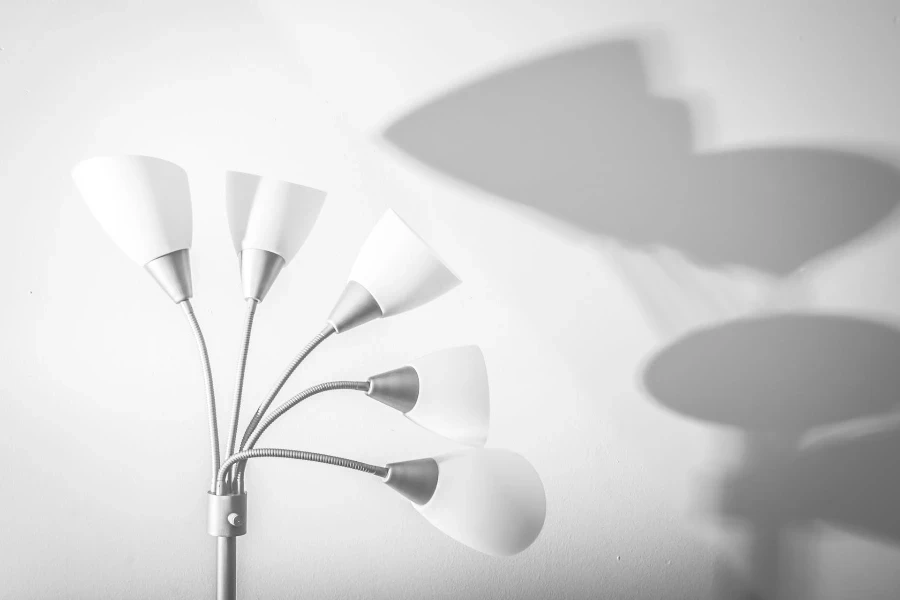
(784, 373)
(854, 483)
(579, 136)
(773, 378)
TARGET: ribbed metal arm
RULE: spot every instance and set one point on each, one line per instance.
(264, 406)
(210, 390)
(242, 368)
(361, 386)
(296, 455)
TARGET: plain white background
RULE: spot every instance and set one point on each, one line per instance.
(104, 448)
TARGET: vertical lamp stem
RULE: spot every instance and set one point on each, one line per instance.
(210, 389)
(226, 568)
(239, 381)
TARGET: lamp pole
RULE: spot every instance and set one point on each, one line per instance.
(227, 519)
(226, 568)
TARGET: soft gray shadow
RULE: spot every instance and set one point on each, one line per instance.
(854, 483)
(579, 136)
(780, 373)
(775, 378)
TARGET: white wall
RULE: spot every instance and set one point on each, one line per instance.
(104, 455)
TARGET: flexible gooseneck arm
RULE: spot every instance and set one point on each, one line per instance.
(337, 461)
(264, 406)
(361, 386)
(210, 389)
(252, 303)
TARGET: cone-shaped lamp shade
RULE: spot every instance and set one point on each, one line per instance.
(395, 271)
(143, 203)
(446, 392)
(489, 499)
(269, 221)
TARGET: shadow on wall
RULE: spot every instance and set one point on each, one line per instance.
(776, 379)
(578, 136)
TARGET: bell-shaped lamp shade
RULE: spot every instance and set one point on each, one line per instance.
(446, 392)
(492, 500)
(144, 205)
(269, 221)
(394, 271)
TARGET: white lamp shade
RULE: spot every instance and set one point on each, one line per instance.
(398, 268)
(143, 203)
(270, 214)
(454, 397)
(492, 500)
